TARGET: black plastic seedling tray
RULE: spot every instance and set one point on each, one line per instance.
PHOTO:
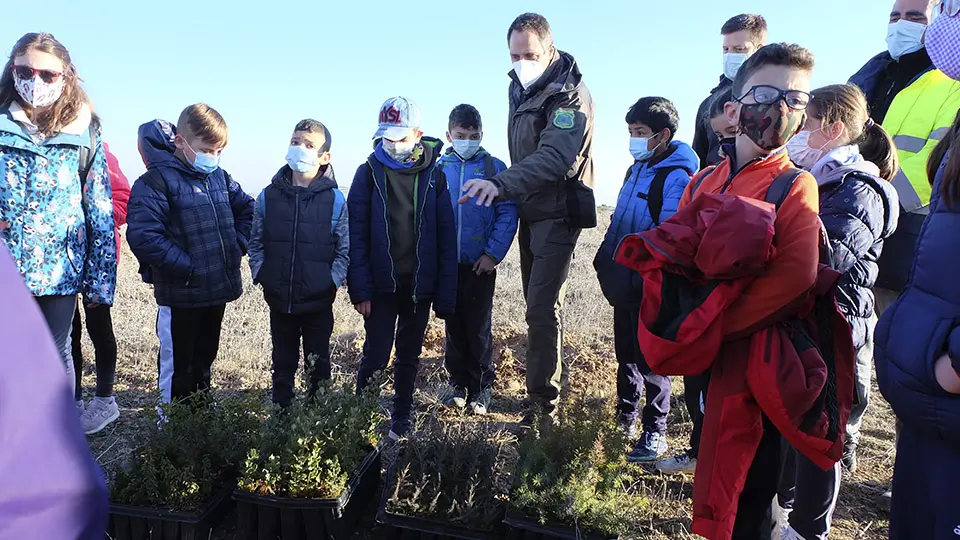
(142, 523)
(272, 518)
(520, 527)
(398, 527)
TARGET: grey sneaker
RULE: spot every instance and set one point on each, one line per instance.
(101, 413)
(682, 463)
(651, 446)
(480, 402)
(455, 397)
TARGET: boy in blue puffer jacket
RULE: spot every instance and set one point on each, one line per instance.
(188, 223)
(650, 194)
(403, 250)
(484, 235)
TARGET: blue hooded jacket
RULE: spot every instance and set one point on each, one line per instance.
(924, 324)
(621, 285)
(372, 270)
(859, 211)
(60, 229)
(189, 230)
(481, 230)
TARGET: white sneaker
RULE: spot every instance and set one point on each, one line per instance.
(678, 464)
(101, 413)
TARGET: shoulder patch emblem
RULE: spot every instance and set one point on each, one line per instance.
(564, 119)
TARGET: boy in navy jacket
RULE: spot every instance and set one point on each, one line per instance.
(402, 250)
(650, 194)
(484, 235)
(188, 224)
(299, 252)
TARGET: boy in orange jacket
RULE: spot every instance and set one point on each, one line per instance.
(770, 95)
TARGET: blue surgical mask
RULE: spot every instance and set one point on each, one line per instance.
(204, 163)
(466, 148)
(301, 159)
(638, 148)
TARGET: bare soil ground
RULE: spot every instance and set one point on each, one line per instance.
(244, 365)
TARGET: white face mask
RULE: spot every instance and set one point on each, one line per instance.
(466, 148)
(904, 37)
(528, 71)
(37, 93)
(638, 148)
(301, 160)
(799, 150)
(398, 150)
(732, 63)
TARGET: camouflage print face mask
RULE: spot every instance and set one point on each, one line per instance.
(770, 126)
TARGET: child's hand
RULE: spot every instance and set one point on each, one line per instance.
(363, 308)
(484, 265)
(948, 379)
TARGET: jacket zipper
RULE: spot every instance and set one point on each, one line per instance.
(463, 167)
(418, 223)
(386, 222)
(293, 248)
(216, 216)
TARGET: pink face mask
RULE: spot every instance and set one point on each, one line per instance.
(37, 93)
(942, 38)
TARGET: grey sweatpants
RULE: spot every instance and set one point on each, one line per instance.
(58, 312)
(863, 373)
(546, 250)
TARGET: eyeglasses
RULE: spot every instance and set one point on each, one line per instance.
(27, 72)
(768, 95)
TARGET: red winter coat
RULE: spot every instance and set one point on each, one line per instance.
(121, 193)
(694, 266)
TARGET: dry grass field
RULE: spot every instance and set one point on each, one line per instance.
(244, 365)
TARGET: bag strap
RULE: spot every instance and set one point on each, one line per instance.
(86, 157)
(338, 202)
(489, 167)
(780, 187)
(655, 192)
(700, 177)
(263, 203)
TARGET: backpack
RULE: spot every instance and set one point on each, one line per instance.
(654, 194)
(86, 157)
(776, 193)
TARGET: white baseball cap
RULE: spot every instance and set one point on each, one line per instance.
(398, 115)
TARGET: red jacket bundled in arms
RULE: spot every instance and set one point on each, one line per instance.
(732, 284)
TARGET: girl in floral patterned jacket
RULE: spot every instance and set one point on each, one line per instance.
(56, 214)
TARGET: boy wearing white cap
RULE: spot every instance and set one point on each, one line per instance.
(403, 250)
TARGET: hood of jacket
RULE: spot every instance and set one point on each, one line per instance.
(867, 173)
(432, 150)
(155, 142)
(450, 156)
(325, 181)
(678, 154)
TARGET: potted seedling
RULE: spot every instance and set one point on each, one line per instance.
(178, 484)
(316, 469)
(572, 480)
(449, 482)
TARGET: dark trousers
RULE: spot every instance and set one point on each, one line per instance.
(926, 486)
(469, 354)
(754, 519)
(100, 330)
(634, 376)
(58, 313)
(286, 331)
(695, 388)
(395, 318)
(809, 492)
(189, 342)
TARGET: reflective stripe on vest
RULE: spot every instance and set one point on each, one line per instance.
(912, 121)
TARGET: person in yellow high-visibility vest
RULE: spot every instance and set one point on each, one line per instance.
(915, 103)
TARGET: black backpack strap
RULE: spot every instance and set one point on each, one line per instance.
(781, 186)
(87, 155)
(489, 167)
(701, 175)
(655, 193)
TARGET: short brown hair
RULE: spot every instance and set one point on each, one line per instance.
(532, 22)
(201, 120)
(309, 125)
(755, 25)
(775, 54)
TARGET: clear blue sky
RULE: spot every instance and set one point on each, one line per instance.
(267, 66)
